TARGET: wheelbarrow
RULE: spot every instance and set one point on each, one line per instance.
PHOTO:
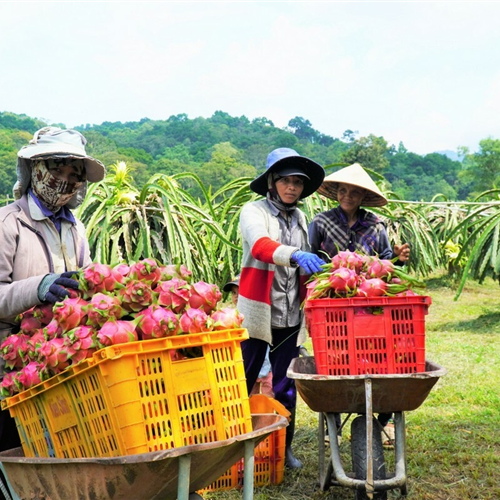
(163, 475)
(362, 395)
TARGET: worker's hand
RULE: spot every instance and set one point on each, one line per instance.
(308, 261)
(53, 287)
(402, 252)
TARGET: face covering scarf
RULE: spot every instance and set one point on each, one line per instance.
(273, 196)
(51, 191)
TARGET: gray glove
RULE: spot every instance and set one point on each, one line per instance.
(53, 287)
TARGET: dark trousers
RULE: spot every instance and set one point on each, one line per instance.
(281, 353)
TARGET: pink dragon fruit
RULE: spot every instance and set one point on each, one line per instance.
(157, 322)
(175, 271)
(123, 269)
(226, 318)
(372, 287)
(31, 374)
(117, 332)
(52, 330)
(136, 295)
(174, 294)
(380, 268)
(204, 296)
(36, 339)
(8, 386)
(103, 307)
(99, 278)
(81, 343)
(351, 260)
(195, 321)
(146, 270)
(70, 313)
(344, 281)
(54, 355)
(14, 351)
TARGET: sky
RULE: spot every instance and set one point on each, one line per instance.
(425, 74)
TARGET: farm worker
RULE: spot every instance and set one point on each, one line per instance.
(264, 383)
(275, 265)
(42, 241)
(350, 227)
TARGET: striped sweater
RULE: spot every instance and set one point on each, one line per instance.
(262, 252)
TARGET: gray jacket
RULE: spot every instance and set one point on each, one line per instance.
(31, 248)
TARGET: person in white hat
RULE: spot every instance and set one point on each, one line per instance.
(42, 241)
(275, 266)
(350, 227)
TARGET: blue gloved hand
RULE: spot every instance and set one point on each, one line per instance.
(309, 261)
(53, 287)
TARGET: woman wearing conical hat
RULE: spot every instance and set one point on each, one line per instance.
(348, 226)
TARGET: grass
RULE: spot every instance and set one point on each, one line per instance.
(453, 439)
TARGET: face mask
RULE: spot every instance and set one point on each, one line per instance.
(52, 191)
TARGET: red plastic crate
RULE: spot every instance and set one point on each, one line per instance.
(368, 335)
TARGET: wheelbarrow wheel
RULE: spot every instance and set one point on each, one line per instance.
(359, 456)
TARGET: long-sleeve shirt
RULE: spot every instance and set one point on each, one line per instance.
(329, 233)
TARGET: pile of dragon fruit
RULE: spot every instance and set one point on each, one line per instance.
(112, 305)
(351, 274)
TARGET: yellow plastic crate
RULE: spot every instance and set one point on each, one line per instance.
(137, 398)
(269, 454)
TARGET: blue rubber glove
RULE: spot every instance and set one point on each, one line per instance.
(53, 287)
(309, 261)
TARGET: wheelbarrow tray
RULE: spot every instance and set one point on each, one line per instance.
(146, 476)
(346, 393)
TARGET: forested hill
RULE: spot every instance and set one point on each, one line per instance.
(222, 147)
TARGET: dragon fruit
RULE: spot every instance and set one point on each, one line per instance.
(195, 321)
(118, 332)
(54, 355)
(157, 322)
(52, 330)
(226, 318)
(8, 386)
(146, 270)
(136, 295)
(380, 268)
(36, 339)
(175, 271)
(103, 307)
(372, 287)
(70, 313)
(35, 318)
(351, 260)
(81, 343)
(343, 281)
(99, 278)
(123, 269)
(173, 294)
(204, 296)
(14, 350)
(31, 374)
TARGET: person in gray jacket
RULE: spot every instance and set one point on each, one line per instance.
(276, 263)
(42, 241)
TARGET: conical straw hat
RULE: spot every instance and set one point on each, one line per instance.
(354, 175)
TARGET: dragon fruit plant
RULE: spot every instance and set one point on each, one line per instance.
(114, 304)
(350, 274)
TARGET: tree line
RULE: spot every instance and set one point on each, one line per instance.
(223, 148)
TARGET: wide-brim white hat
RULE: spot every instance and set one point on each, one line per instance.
(355, 175)
(52, 142)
